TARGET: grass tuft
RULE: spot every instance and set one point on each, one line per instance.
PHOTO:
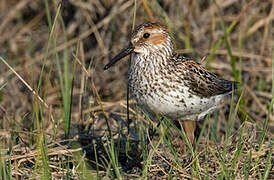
(62, 117)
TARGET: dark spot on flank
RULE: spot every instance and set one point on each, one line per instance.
(165, 84)
(186, 78)
(182, 101)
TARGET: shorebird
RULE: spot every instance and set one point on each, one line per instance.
(168, 84)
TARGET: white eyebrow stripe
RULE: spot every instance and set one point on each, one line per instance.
(157, 31)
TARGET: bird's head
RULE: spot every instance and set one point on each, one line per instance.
(148, 38)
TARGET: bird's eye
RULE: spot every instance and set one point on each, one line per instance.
(146, 35)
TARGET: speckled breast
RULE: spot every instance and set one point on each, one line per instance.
(154, 89)
(157, 90)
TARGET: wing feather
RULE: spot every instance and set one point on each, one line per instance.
(202, 82)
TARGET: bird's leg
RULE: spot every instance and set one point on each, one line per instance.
(189, 128)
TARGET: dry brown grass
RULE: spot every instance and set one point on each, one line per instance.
(101, 28)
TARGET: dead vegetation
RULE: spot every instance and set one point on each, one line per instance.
(86, 35)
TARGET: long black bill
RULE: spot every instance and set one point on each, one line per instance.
(126, 51)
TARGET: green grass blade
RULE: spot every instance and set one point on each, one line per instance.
(270, 111)
(247, 165)
(133, 27)
(231, 123)
(269, 162)
(219, 42)
(220, 160)
(47, 48)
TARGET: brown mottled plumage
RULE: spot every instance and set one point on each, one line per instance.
(166, 83)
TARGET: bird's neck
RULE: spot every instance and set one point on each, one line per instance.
(153, 59)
